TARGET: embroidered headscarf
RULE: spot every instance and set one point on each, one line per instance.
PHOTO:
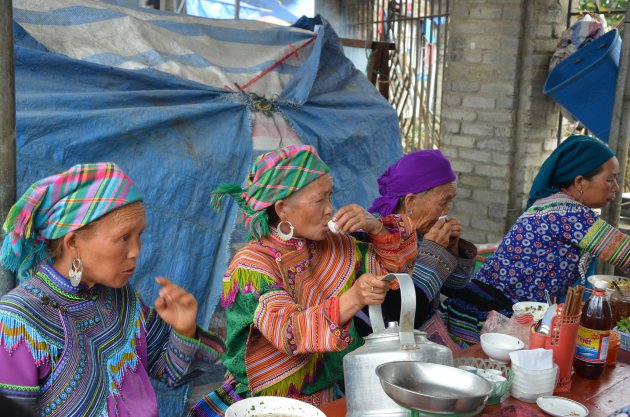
(412, 174)
(577, 155)
(274, 176)
(56, 205)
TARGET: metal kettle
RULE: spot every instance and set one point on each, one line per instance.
(364, 395)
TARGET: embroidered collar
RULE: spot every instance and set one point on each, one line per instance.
(293, 243)
(61, 285)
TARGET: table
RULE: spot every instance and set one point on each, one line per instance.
(601, 396)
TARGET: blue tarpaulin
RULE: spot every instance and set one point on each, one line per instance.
(171, 99)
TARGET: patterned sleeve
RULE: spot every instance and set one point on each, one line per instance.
(393, 252)
(608, 244)
(463, 273)
(295, 329)
(436, 267)
(175, 359)
(432, 268)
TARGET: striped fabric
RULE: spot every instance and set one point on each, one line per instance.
(59, 204)
(608, 244)
(282, 308)
(274, 176)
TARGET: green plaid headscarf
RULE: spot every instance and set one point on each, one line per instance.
(56, 205)
(274, 176)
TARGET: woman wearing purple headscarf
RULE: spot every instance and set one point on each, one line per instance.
(422, 185)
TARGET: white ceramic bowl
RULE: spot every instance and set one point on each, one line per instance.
(537, 309)
(544, 374)
(531, 387)
(528, 398)
(272, 406)
(624, 283)
(498, 346)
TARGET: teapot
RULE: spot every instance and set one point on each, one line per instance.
(364, 395)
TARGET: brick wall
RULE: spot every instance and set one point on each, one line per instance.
(497, 126)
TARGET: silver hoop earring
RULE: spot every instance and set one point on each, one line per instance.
(76, 271)
(281, 234)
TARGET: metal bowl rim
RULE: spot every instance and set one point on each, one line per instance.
(431, 396)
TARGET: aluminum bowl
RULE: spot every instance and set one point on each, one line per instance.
(433, 388)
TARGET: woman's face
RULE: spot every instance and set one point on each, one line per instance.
(309, 209)
(111, 247)
(424, 209)
(600, 190)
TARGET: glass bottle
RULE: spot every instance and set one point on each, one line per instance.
(593, 333)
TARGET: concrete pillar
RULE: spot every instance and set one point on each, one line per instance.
(7, 127)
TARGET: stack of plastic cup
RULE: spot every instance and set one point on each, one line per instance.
(529, 384)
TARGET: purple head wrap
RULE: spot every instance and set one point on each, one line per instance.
(414, 173)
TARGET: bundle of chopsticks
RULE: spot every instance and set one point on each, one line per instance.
(573, 302)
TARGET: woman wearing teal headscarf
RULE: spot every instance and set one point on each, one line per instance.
(553, 242)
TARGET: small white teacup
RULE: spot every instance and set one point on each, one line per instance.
(493, 378)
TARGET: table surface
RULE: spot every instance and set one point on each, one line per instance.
(601, 396)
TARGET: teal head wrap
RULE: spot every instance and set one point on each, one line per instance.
(577, 155)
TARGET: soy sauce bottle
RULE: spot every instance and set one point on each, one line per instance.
(591, 346)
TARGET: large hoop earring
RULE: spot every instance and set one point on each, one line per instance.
(76, 271)
(281, 234)
(581, 197)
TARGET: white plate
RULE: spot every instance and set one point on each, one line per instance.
(272, 407)
(561, 407)
(537, 309)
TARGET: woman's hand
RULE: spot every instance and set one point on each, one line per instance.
(353, 217)
(440, 232)
(177, 307)
(367, 289)
(456, 233)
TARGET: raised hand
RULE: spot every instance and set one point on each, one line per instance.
(367, 289)
(177, 307)
(440, 232)
(353, 217)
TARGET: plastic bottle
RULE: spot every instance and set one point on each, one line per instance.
(593, 333)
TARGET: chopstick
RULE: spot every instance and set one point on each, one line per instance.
(573, 302)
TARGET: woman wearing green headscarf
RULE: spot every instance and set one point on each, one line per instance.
(291, 292)
(553, 242)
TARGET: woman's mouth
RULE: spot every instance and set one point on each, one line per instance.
(128, 272)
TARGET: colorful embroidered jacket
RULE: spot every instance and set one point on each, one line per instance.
(550, 246)
(90, 352)
(282, 305)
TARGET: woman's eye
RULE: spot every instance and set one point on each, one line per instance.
(124, 238)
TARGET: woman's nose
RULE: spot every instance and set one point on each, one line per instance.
(134, 248)
(329, 209)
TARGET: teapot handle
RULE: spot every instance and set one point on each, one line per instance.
(407, 310)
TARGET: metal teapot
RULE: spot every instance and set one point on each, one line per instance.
(364, 395)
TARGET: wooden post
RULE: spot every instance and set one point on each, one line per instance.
(620, 130)
(7, 128)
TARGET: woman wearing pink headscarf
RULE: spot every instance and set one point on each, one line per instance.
(422, 185)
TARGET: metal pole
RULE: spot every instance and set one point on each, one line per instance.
(7, 127)
(237, 9)
(620, 127)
